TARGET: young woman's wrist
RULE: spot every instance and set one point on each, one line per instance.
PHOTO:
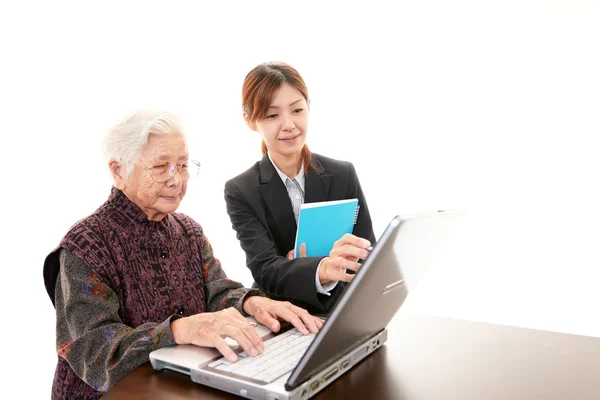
(323, 275)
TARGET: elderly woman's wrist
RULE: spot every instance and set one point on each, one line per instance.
(249, 308)
(177, 329)
(251, 303)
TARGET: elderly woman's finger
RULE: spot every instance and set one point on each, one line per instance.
(220, 344)
(266, 318)
(241, 337)
(241, 323)
(307, 319)
(254, 337)
(288, 315)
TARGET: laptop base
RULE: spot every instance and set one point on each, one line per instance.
(277, 390)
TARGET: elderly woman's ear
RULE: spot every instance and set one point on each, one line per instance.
(118, 173)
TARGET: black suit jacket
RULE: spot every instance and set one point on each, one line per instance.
(261, 213)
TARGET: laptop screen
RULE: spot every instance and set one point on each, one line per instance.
(377, 291)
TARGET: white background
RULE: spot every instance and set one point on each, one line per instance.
(491, 106)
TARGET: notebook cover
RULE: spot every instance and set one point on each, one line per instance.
(320, 225)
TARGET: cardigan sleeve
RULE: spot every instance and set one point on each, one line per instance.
(220, 291)
(90, 335)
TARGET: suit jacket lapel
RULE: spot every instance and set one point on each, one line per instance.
(274, 193)
(317, 183)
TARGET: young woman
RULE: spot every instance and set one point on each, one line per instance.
(263, 202)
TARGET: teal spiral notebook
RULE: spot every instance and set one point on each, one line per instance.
(322, 224)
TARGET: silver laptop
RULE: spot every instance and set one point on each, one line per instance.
(294, 366)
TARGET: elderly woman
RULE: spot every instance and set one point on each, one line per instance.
(135, 276)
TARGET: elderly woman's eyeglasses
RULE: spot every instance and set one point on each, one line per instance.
(163, 171)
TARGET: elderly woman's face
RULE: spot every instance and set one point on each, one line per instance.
(154, 198)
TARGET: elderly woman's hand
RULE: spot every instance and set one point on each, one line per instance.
(268, 312)
(210, 329)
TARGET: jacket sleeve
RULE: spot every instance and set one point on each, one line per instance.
(364, 226)
(276, 275)
(90, 335)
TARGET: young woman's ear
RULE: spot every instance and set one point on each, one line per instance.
(250, 124)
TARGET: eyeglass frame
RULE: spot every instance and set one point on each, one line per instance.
(177, 168)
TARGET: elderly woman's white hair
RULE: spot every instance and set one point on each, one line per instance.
(126, 139)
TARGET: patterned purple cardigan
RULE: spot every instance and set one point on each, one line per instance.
(117, 280)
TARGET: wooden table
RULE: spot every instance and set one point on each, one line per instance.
(434, 358)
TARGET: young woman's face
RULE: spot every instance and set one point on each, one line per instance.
(284, 127)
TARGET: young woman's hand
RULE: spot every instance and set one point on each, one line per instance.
(290, 254)
(343, 256)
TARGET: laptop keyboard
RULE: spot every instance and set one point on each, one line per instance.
(282, 353)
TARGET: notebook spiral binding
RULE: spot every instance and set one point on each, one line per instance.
(356, 213)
